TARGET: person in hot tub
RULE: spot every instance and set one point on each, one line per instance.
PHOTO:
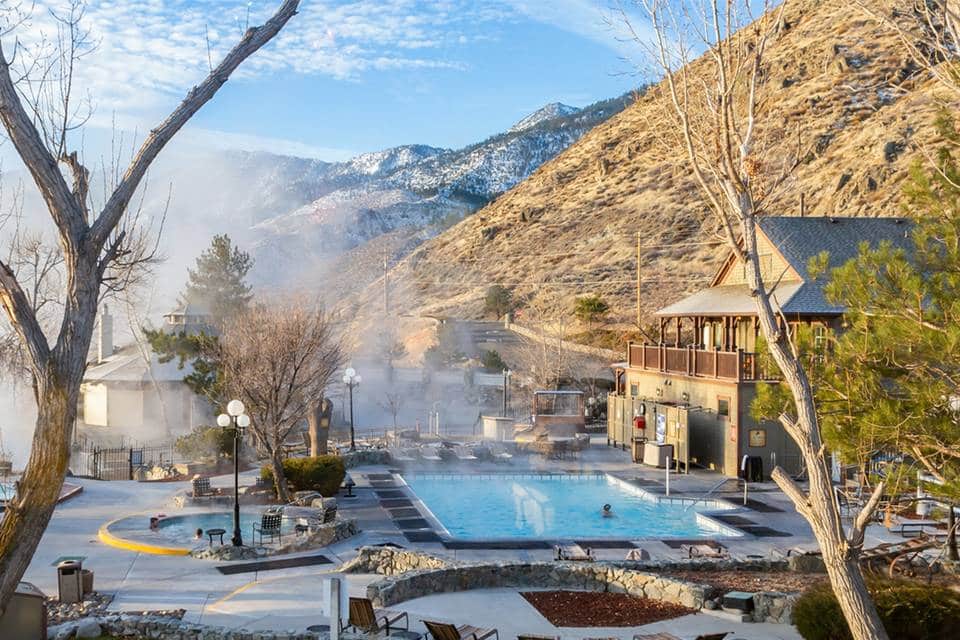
(607, 511)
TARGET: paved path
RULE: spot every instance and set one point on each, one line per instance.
(292, 598)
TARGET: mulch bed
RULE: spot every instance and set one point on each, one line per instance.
(601, 609)
(751, 581)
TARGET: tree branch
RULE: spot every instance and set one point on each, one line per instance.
(865, 516)
(253, 39)
(21, 315)
(41, 164)
(794, 492)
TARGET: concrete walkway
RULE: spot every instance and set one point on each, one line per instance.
(292, 598)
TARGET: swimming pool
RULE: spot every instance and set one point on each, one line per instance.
(558, 507)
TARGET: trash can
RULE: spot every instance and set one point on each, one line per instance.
(638, 444)
(26, 614)
(86, 577)
(70, 581)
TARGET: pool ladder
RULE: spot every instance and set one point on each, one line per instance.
(707, 494)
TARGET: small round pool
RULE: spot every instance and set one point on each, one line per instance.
(176, 535)
(183, 528)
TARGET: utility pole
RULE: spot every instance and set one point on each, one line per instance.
(639, 308)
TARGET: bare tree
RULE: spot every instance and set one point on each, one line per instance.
(95, 242)
(392, 403)
(709, 108)
(930, 32)
(279, 359)
(544, 357)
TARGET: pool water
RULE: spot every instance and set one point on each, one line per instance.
(182, 528)
(556, 507)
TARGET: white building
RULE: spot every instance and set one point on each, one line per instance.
(128, 395)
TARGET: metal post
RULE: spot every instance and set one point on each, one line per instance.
(353, 444)
(668, 475)
(744, 490)
(335, 613)
(237, 537)
(504, 414)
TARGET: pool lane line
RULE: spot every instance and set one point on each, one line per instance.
(116, 542)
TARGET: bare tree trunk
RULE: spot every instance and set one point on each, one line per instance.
(40, 485)
(318, 429)
(279, 476)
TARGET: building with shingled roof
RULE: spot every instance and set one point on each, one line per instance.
(692, 390)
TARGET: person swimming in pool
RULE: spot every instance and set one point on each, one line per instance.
(199, 535)
(607, 511)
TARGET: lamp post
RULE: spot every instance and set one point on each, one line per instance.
(351, 378)
(239, 420)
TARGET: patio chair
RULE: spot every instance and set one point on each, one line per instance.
(269, 526)
(201, 487)
(447, 631)
(363, 617)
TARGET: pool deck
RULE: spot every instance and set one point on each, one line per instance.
(291, 598)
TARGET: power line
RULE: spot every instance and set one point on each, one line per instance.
(563, 283)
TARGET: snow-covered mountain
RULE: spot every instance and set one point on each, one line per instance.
(415, 188)
(548, 112)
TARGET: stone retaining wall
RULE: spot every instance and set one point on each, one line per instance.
(412, 575)
(389, 561)
(362, 457)
(322, 536)
(560, 575)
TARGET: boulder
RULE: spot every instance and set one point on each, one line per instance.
(89, 628)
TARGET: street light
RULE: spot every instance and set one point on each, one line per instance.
(239, 420)
(351, 378)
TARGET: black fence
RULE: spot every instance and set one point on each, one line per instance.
(119, 463)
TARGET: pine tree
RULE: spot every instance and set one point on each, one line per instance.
(218, 283)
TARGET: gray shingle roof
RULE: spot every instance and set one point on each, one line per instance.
(799, 240)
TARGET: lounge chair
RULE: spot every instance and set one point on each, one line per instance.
(430, 454)
(500, 453)
(363, 617)
(201, 487)
(400, 455)
(573, 553)
(464, 454)
(269, 526)
(705, 551)
(447, 631)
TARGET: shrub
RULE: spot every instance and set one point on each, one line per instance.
(498, 301)
(910, 611)
(591, 309)
(323, 474)
(204, 442)
(491, 361)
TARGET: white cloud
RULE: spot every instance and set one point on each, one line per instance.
(150, 51)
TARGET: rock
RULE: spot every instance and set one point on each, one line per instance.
(89, 628)
(806, 563)
(710, 604)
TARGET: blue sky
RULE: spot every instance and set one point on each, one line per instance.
(347, 76)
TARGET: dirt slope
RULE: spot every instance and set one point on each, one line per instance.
(833, 74)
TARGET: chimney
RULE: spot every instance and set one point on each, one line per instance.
(105, 335)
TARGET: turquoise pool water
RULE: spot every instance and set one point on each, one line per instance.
(182, 529)
(562, 507)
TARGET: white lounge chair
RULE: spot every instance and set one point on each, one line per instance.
(400, 455)
(430, 454)
(464, 454)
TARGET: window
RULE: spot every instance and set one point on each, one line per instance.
(723, 406)
(634, 391)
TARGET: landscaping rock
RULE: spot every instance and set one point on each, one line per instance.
(806, 563)
(89, 628)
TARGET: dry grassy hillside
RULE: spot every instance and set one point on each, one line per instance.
(833, 74)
